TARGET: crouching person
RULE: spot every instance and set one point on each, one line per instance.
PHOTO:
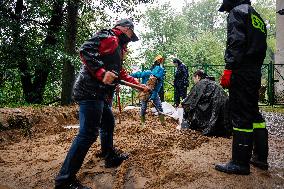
(205, 107)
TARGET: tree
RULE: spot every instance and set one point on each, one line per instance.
(194, 35)
(28, 48)
(71, 32)
(33, 49)
(68, 72)
(163, 28)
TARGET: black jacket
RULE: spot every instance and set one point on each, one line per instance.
(102, 51)
(181, 76)
(246, 38)
(205, 109)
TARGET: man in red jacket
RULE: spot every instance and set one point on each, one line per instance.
(102, 57)
(244, 56)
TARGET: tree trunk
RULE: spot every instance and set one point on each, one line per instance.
(42, 71)
(20, 51)
(68, 72)
(279, 55)
(34, 90)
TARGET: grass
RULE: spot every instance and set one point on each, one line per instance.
(275, 108)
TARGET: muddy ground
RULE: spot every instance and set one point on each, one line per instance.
(33, 145)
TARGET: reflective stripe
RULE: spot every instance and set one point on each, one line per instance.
(243, 130)
(259, 125)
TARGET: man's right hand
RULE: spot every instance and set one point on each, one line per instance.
(225, 81)
(109, 77)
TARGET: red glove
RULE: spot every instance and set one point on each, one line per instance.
(225, 81)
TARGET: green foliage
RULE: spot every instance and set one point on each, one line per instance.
(266, 8)
(193, 35)
(196, 35)
(276, 109)
(11, 91)
(32, 45)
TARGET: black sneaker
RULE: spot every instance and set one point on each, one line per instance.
(115, 159)
(74, 185)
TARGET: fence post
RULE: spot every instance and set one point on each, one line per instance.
(270, 84)
(132, 97)
(206, 68)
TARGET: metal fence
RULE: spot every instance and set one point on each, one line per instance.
(271, 91)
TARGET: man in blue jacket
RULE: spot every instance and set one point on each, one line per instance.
(244, 56)
(154, 76)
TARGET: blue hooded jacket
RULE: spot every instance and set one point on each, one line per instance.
(157, 71)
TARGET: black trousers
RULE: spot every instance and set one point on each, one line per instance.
(243, 99)
(180, 93)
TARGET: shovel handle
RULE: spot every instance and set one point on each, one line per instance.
(126, 83)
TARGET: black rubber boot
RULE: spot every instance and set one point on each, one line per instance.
(241, 154)
(114, 158)
(260, 149)
(233, 168)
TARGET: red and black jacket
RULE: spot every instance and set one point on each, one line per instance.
(103, 52)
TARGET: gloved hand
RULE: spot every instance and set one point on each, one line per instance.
(109, 77)
(225, 81)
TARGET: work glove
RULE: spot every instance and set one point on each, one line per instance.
(225, 81)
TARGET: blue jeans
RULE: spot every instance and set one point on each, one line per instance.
(93, 115)
(157, 103)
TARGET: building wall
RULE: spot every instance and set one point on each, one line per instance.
(279, 54)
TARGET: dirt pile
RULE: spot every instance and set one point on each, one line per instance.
(20, 123)
(160, 157)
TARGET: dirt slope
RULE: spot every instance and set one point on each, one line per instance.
(160, 157)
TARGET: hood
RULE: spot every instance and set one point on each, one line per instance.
(228, 5)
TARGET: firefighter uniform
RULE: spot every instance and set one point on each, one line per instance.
(244, 56)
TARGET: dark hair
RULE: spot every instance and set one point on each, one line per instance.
(156, 63)
(176, 60)
(200, 73)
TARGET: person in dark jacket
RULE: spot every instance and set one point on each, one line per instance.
(205, 107)
(244, 56)
(156, 73)
(102, 57)
(180, 82)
